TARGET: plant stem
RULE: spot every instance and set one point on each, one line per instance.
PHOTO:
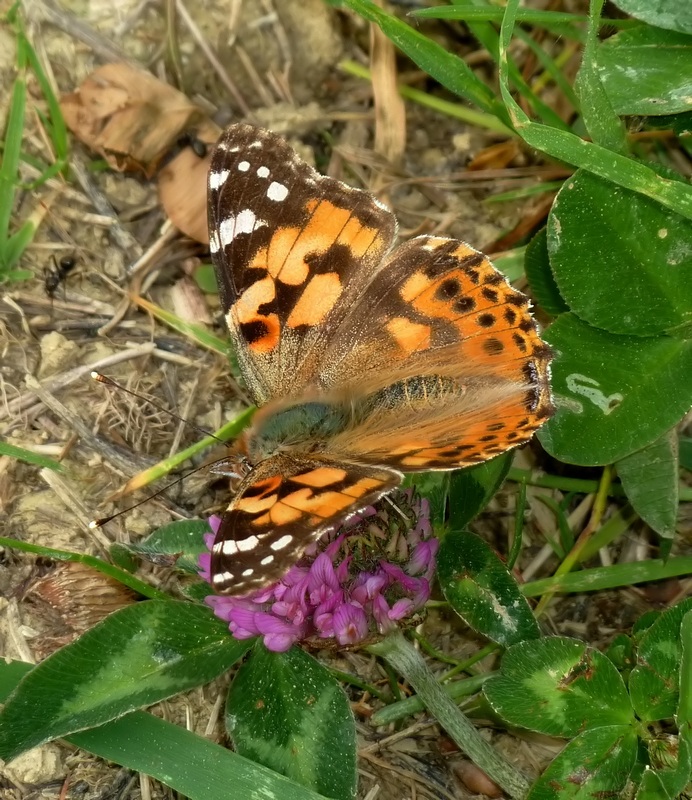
(401, 654)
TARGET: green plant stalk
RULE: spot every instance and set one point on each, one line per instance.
(228, 430)
(611, 530)
(610, 577)
(515, 549)
(353, 680)
(409, 663)
(455, 110)
(567, 147)
(578, 485)
(91, 561)
(457, 690)
(575, 555)
(11, 154)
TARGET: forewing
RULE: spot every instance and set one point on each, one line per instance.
(292, 249)
(443, 361)
(282, 506)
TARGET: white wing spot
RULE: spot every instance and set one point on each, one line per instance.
(243, 166)
(214, 243)
(279, 544)
(267, 560)
(263, 172)
(246, 545)
(258, 143)
(246, 573)
(217, 179)
(277, 191)
(245, 222)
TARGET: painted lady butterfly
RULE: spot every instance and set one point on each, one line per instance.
(365, 363)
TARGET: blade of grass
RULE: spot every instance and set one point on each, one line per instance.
(9, 169)
(478, 118)
(488, 37)
(188, 763)
(444, 67)
(551, 66)
(541, 19)
(29, 457)
(485, 13)
(610, 577)
(196, 333)
(568, 147)
(602, 123)
(116, 573)
(55, 122)
(228, 431)
(525, 191)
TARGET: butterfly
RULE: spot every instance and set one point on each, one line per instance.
(366, 362)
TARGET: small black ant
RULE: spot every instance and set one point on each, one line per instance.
(186, 139)
(190, 139)
(55, 275)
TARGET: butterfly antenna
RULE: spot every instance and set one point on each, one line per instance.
(99, 523)
(232, 474)
(98, 376)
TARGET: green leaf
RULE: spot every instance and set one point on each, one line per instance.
(205, 278)
(684, 711)
(675, 15)
(568, 147)
(29, 457)
(190, 764)
(621, 261)
(614, 394)
(597, 763)
(472, 489)
(646, 71)
(650, 480)
(137, 656)
(655, 681)
(481, 590)
(602, 123)
(686, 452)
(540, 277)
(287, 712)
(182, 540)
(558, 686)
(445, 67)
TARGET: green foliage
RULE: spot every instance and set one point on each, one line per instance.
(562, 687)
(285, 711)
(28, 66)
(612, 274)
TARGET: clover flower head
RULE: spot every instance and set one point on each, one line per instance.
(357, 581)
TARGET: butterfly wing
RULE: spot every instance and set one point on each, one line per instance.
(292, 250)
(283, 505)
(443, 361)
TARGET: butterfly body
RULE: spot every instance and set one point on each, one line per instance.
(300, 427)
(367, 362)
